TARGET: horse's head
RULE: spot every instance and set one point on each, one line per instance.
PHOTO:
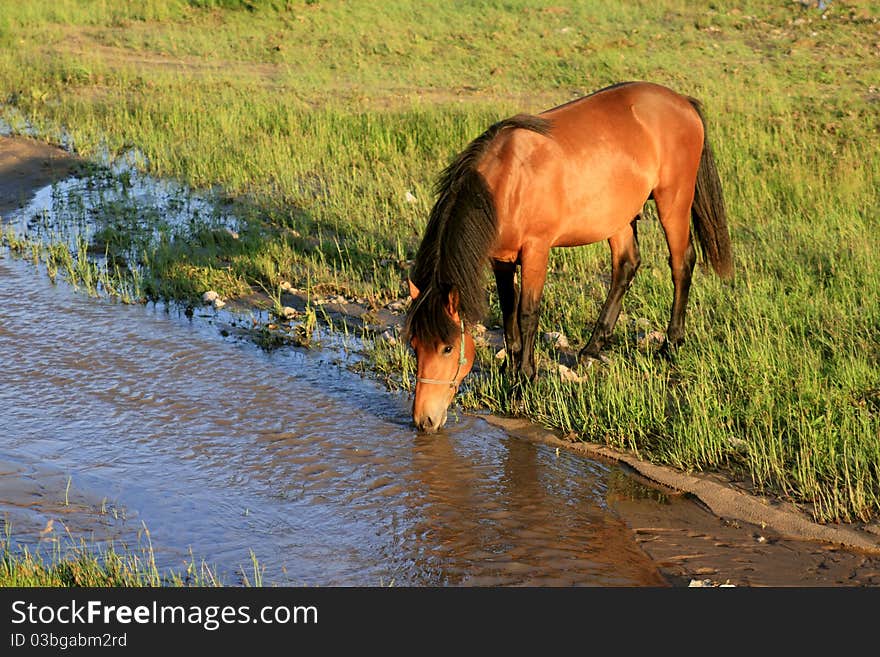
(441, 365)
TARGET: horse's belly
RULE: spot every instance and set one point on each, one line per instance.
(594, 206)
(586, 233)
(596, 223)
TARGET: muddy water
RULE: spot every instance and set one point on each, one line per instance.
(118, 418)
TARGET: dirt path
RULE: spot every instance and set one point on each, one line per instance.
(699, 529)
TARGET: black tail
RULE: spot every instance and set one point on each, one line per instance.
(708, 212)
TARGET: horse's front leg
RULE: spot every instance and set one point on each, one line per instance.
(508, 299)
(533, 274)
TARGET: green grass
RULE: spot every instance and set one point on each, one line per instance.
(78, 564)
(324, 124)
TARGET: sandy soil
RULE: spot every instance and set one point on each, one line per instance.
(700, 529)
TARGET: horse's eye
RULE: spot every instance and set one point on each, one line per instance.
(447, 349)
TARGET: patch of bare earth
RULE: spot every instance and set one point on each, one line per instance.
(25, 166)
(80, 45)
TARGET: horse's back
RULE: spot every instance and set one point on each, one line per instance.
(648, 95)
(603, 157)
(642, 119)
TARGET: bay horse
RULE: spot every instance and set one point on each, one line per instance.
(573, 175)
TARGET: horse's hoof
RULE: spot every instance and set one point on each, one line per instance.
(588, 360)
(515, 399)
(667, 352)
(517, 407)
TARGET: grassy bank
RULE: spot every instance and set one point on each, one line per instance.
(78, 564)
(325, 124)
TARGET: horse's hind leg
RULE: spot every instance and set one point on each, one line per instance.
(508, 299)
(625, 261)
(682, 274)
(674, 210)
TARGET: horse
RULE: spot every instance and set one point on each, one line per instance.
(573, 175)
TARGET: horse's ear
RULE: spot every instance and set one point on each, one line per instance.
(452, 304)
(413, 290)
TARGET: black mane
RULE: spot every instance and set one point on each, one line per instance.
(460, 232)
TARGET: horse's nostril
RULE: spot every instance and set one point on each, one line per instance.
(426, 424)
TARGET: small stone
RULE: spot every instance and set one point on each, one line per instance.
(210, 297)
(556, 339)
(568, 375)
(395, 306)
(287, 312)
(409, 197)
(218, 303)
(655, 337)
(501, 354)
(285, 286)
(389, 337)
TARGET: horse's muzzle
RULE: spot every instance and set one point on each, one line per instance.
(429, 424)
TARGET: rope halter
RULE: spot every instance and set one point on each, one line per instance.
(461, 361)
